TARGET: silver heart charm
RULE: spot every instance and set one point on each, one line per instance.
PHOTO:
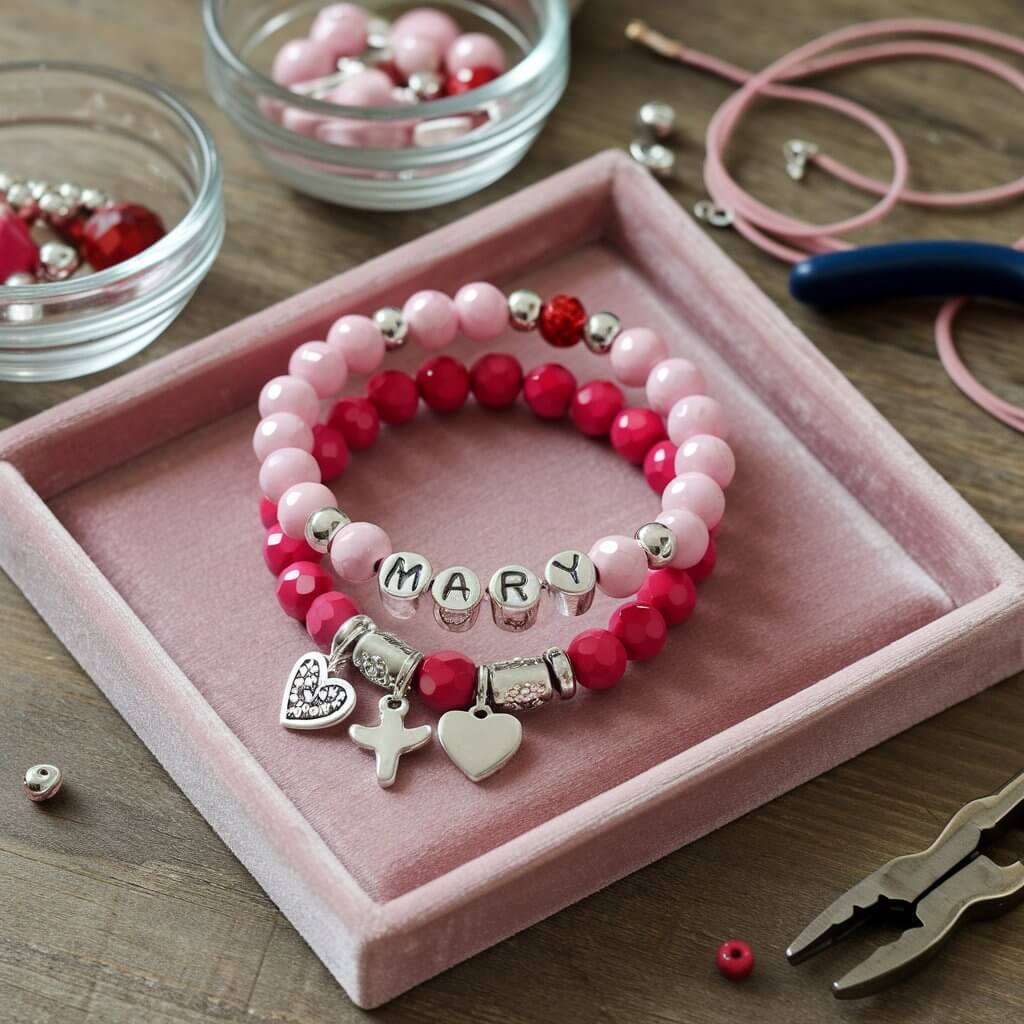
(312, 699)
(479, 741)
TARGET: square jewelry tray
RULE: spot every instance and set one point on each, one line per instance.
(856, 593)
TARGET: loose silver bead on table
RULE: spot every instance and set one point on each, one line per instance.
(393, 326)
(457, 595)
(658, 159)
(656, 120)
(426, 85)
(42, 782)
(524, 309)
(403, 578)
(520, 684)
(571, 579)
(562, 675)
(659, 544)
(600, 330)
(386, 661)
(58, 261)
(321, 527)
(515, 598)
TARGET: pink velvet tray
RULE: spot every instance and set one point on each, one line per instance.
(856, 593)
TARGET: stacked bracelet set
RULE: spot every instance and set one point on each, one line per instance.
(656, 567)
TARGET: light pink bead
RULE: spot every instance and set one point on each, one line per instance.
(426, 21)
(475, 50)
(290, 394)
(482, 309)
(368, 88)
(357, 549)
(285, 468)
(694, 415)
(621, 565)
(707, 454)
(298, 503)
(670, 380)
(416, 53)
(302, 122)
(281, 430)
(432, 319)
(321, 365)
(691, 533)
(634, 353)
(341, 28)
(301, 60)
(698, 493)
(360, 341)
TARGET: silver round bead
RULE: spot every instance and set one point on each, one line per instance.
(6, 181)
(393, 326)
(23, 277)
(70, 191)
(659, 544)
(378, 33)
(94, 199)
(658, 159)
(524, 309)
(38, 189)
(19, 195)
(42, 782)
(56, 207)
(426, 85)
(600, 330)
(656, 120)
(322, 526)
(58, 261)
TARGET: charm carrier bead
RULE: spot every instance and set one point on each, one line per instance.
(457, 595)
(386, 661)
(659, 544)
(403, 578)
(520, 684)
(321, 527)
(515, 598)
(572, 581)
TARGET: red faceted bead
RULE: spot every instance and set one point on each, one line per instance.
(72, 230)
(548, 390)
(706, 566)
(268, 513)
(641, 629)
(280, 550)
(660, 466)
(496, 379)
(330, 451)
(634, 431)
(395, 396)
(18, 252)
(469, 78)
(118, 232)
(672, 592)
(358, 421)
(447, 681)
(443, 383)
(595, 406)
(299, 585)
(598, 659)
(735, 959)
(326, 615)
(562, 319)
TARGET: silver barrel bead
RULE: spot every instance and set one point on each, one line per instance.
(571, 579)
(515, 598)
(560, 669)
(403, 578)
(520, 684)
(386, 661)
(457, 595)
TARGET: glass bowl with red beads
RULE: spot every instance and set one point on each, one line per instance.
(388, 106)
(111, 213)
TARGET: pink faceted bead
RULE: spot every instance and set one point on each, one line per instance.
(321, 366)
(298, 503)
(634, 353)
(284, 469)
(691, 533)
(694, 415)
(482, 309)
(621, 565)
(416, 53)
(432, 319)
(281, 430)
(301, 60)
(706, 454)
(670, 380)
(699, 494)
(475, 50)
(357, 549)
(426, 21)
(342, 29)
(360, 341)
(290, 394)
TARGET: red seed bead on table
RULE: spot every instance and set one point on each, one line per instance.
(330, 451)
(640, 628)
(443, 383)
(598, 659)
(447, 681)
(358, 421)
(395, 396)
(469, 78)
(300, 585)
(280, 550)
(496, 380)
(706, 566)
(268, 512)
(660, 466)
(548, 390)
(562, 319)
(634, 431)
(735, 959)
(595, 406)
(326, 615)
(118, 232)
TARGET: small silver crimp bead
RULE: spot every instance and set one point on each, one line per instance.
(524, 309)
(600, 330)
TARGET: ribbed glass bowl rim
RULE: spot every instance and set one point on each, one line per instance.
(199, 216)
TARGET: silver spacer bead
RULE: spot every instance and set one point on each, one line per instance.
(321, 527)
(659, 544)
(600, 330)
(38, 189)
(56, 207)
(23, 277)
(524, 309)
(658, 159)
(19, 195)
(94, 199)
(560, 669)
(393, 326)
(58, 261)
(656, 120)
(70, 191)
(426, 85)
(42, 782)
(403, 578)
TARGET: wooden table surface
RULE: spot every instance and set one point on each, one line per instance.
(107, 918)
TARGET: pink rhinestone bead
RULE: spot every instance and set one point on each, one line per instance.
(621, 565)
(281, 430)
(482, 310)
(432, 319)
(696, 414)
(670, 380)
(634, 353)
(698, 493)
(475, 50)
(285, 468)
(691, 533)
(360, 342)
(298, 503)
(300, 61)
(357, 549)
(706, 454)
(426, 21)
(342, 29)
(320, 365)
(290, 394)
(416, 53)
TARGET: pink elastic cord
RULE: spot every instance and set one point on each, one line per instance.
(791, 239)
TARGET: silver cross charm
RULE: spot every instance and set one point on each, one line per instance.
(389, 739)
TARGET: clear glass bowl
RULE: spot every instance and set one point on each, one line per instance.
(242, 37)
(98, 127)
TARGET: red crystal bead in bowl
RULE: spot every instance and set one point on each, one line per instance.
(117, 232)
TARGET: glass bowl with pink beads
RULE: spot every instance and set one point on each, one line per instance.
(388, 106)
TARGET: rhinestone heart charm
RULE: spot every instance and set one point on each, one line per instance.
(479, 741)
(312, 698)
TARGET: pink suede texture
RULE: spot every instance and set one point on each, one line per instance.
(855, 593)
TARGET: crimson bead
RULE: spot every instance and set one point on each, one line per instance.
(469, 78)
(598, 659)
(595, 406)
(447, 681)
(330, 451)
(672, 592)
(660, 466)
(640, 628)
(118, 232)
(326, 615)
(19, 254)
(280, 550)
(299, 585)
(548, 390)
(268, 512)
(358, 421)
(706, 566)
(634, 431)
(72, 230)
(496, 379)
(735, 959)
(562, 319)
(395, 396)
(443, 383)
